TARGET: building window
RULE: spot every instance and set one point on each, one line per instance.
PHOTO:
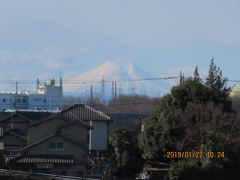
(56, 146)
(4, 100)
(59, 145)
(52, 145)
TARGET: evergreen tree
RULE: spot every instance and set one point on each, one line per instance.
(167, 125)
(194, 116)
(196, 74)
(217, 85)
(126, 150)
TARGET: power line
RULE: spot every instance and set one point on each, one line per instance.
(130, 103)
(119, 80)
(9, 81)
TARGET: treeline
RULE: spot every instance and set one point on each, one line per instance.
(196, 116)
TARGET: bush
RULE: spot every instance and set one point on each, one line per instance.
(190, 170)
(179, 168)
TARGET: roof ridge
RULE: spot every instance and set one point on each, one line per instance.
(83, 107)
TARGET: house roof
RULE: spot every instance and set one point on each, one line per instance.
(12, 132)
(128, 120)
(15, 114)
(56, 134)
(85, 113)
(64, 118)
(34, 116)
(55, 159)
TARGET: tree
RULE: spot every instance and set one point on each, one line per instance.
(127, 153)
(196, 74)
(217, 85)
(192, 90)
(194, 116)
(191, 117)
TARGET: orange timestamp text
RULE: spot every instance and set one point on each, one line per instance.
(195, 154)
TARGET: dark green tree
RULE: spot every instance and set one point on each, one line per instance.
(183, 113)
(194, 116)
(217, 85)
(127, 153)
(196, 73)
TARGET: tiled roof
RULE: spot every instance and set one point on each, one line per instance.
(85, 113)
(55, 159)
(7, 116)
(127, 120)
(35, 115)
(30, 115)
(64, 118)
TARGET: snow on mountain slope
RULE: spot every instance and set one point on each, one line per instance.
(115, 79)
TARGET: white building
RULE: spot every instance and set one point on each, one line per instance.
(46, 97)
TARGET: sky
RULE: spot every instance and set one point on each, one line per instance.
(47, 39)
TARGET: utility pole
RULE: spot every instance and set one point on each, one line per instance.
(103, 87)
(91, 92)
(16, 87)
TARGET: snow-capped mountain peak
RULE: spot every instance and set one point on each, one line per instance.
(113, 78)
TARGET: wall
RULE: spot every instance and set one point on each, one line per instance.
(99, 135)
(44, 129)
(69, 149)
(12, 142)
(76, 133)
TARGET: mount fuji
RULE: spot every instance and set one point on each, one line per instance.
(113, 79)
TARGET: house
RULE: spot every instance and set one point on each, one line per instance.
(98, 136)
(10, 140)
(55, 145)
(131, 121)
(15, 121)
(75, 129)
(14, 128)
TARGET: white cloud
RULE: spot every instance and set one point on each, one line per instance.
(47, 63)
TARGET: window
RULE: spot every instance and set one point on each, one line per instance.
(37, 99)
(52, 145)
(59, 145)
(4, 100)
(56, 145)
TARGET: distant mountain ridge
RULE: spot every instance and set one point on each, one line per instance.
(113, 79)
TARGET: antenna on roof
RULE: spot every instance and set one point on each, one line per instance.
(91, 97)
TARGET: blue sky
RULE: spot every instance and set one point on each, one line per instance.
(40, 38)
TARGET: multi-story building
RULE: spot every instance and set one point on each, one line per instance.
(47, 96)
